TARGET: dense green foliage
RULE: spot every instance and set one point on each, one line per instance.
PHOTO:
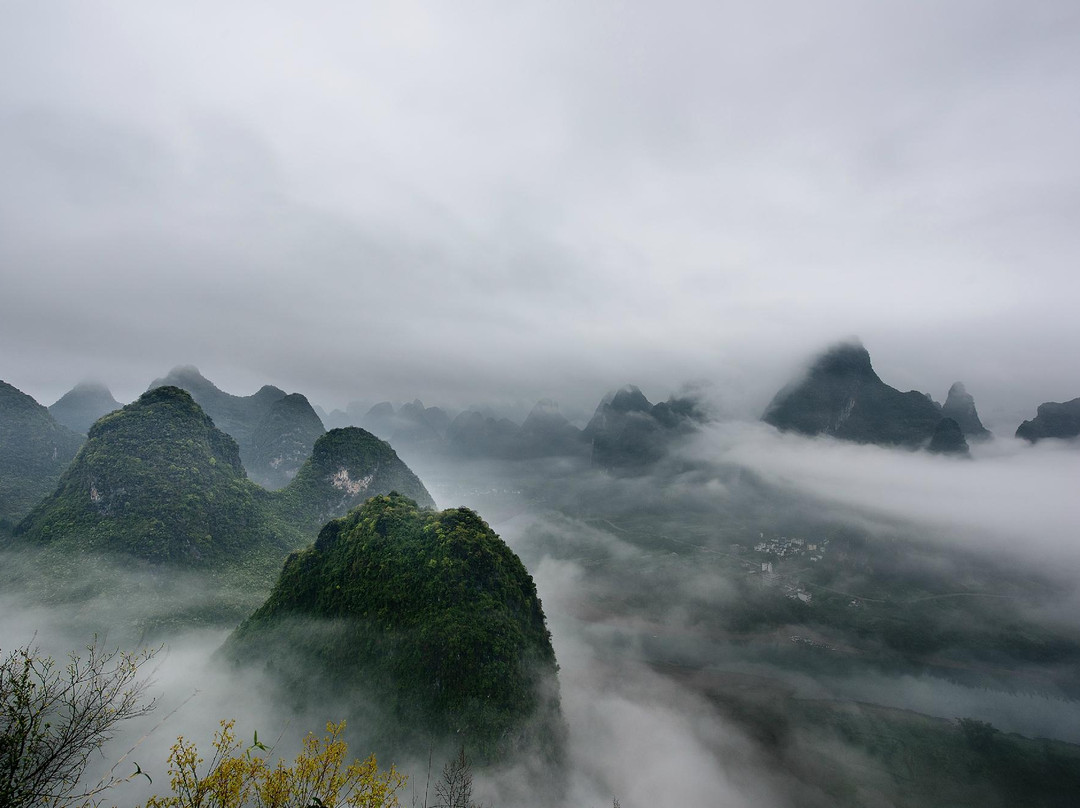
(346, 467)
(34, 451)
(274, 431)
(429, 612)
(842, 396)
(1052, 420)
(156, 480)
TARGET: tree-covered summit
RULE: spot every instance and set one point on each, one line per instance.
(427, 614)
(346, 467)
(158, 481)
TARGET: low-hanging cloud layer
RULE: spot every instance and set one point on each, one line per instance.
(492, 202)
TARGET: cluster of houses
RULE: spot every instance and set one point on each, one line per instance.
(785, 547)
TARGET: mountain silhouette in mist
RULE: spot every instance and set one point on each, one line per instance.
(629, 433)
(842, 396)
(83, 404)
(1052, 420)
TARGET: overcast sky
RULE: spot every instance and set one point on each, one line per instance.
(501, 201)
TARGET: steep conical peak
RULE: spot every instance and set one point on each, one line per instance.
(630, 399)
(82, 405)
(185, 376)
(158, 481)
(347, 467)
(845, 359)
(960, 407)
(842, 396)
(429, 614)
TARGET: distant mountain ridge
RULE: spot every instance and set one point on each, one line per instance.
(83, 404)
(843, 397)
(274, 436)
(158, 481)
(628, 432)
(1052, 420)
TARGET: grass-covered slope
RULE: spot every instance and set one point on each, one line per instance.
(426, 613)
(34, 451)
(158, 481)
(346, 467)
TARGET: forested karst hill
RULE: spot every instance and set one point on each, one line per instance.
(158, 481)
(428, 613)
(271, 433)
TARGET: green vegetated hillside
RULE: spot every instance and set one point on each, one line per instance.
(34, 451)
(158, 481)
(158, 487)
(346, 467)
(274, 431)
(427, 614)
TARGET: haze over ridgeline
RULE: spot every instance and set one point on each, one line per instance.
(905, 578)
(501, 205)
(532, 424)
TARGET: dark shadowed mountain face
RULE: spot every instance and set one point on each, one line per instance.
(628, 433)
(34, 451)
(843, 397)
(1052, 420)
(253, 421)
(78, 408)
(960, 406)
(948, 438)
(282, 441)
(346, 467)
(158, 481)
(428, 614)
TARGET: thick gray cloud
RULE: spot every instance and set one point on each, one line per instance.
(492, 202)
